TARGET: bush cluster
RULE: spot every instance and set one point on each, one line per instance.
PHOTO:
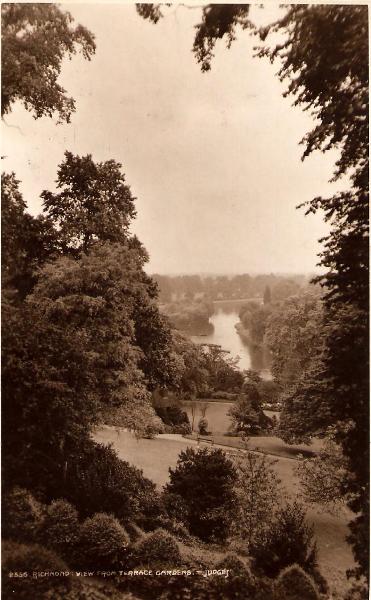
(158, 548)
(59, 529)
(22, 515)
(27, 559)
(172, 415)
(103, 542)
(287, 541)
(295, 584)
(98, 481)
(204, 479)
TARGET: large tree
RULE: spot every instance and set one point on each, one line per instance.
(325, 60)
(291, 334)
(48, 398)
(35, 39)
(94, 203)
(27, 242)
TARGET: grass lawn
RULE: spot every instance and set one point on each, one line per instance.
(216, 413)
(155, 457)
(266, 444)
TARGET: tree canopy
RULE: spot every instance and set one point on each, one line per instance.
(27, 242)
(35, 39)
(95, 202)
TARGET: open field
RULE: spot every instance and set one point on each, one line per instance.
(155, 457)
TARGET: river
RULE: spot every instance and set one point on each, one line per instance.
(224, 320)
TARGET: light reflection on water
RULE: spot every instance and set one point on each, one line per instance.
(226, 336)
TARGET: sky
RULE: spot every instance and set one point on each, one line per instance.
(212, 158)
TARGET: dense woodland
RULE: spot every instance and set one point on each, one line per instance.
(85, 343)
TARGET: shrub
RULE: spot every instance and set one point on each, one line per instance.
(358, 591)
(172, 415)
(187, 588)
(22, 515)
(295, 584)
(156, 551)
(258, 495)
(27, 559)
(202, 427)
(89, 589)
(247, 414)
(103, 542)
(157, 548)
(239, 584)
(287, 541)
(134, 531)
(175, 506)
(59, 530)
(183, 429)
(269, 392)
(224, 395)
(98, 481)
(204, 479)
(174, 527)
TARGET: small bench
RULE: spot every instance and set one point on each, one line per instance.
(205, 439)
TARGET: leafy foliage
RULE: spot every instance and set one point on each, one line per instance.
(95, 202)
(339, 97)
(258, 495)
(218, 20)
(26, 242)
(288, 541)
(294, 583)
(172, 415)
(30, 558)
(59, 529)
(98, 481)
(35, 39)
(322, 477)
(102, 541)
(240, 583)
(224, 374)
(292, 336)
(254, 319)
(306, 410)
(157, 548)
(267, 298)
(246, 413)
(48, 402)
(203, 426)
(22, 515)
(204, 479)
(94, 298)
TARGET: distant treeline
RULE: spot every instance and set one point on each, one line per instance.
(223, 287)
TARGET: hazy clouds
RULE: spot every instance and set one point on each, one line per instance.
(212, 158)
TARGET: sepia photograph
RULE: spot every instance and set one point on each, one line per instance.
(185, 301)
